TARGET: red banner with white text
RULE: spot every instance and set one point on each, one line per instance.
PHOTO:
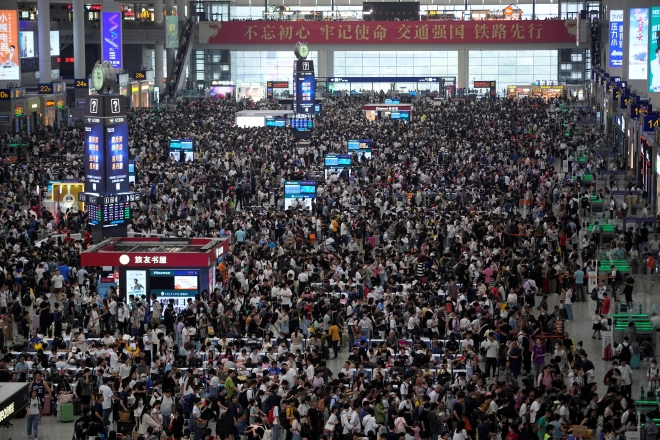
(388, 32)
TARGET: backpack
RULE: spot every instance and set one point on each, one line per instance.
(626, 354)
(268, 434)
(26, 299)
(271, 416)
(594, 294)
(243, 400)
(618, 277)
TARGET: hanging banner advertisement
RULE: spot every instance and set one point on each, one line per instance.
(26, 44)
(9, 50)
(388, 32)
(616, 38)
(171, 32)
(54, 43)
(654, 50)
(111, 38)
(638, 39)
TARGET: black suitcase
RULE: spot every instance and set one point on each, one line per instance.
(325, 352)
(125, 427)
(76, 407)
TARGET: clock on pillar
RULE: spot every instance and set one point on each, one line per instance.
(304, 82)
(104, 77)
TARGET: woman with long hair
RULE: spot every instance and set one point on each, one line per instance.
(296, 427)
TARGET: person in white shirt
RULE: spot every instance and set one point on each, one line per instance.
(534, 409)
(108, 395)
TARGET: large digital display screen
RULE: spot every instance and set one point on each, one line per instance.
(116, 165)
(27, 44)
(116, 213)
(275, 122)
(182, 146)
(163, 284)
(616, 38)
(136, 282)
(221, 92)
(54, 43)
(359, 144)
(299, 194)
(9, 46)
(111, 38)
(301, 124)
(638, 40)
(94, 181)
(336, 163)
(94, 214)
(304, 87)
(654, 50)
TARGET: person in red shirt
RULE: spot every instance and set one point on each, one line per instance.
(605, 308)
(512, 435)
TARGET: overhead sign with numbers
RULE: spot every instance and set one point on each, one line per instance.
(388, 32)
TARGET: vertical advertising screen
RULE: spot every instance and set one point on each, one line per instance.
(9, 46)
(131, 171)
(136, 282)
(304, 87)
(654, 50)
(616, 38)
(111, 38)
(54, 43)
(94, 181)
(26, 44)
(116, 165)
(638, 42)
(299, 194)
(171, 32)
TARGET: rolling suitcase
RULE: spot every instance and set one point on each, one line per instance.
(46, 408)
(36, 322)
(76, 407)
(125, 427)
(66, 412)
(634, 361)
(607, 353)
(325, 352)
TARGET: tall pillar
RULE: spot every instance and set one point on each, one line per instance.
(326, 63)
(158, 65)
(44, 41)
(158, 11)
(463, 71)
(169, 10)
(79, 68)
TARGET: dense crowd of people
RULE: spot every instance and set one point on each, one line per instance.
(419, 267)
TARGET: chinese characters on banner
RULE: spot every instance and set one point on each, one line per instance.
(638, 43)
(9, 48)
(616, 38)
(389, 32)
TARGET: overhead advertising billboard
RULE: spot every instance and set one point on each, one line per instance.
(616, 38)
(654, 50)
(136, 282)
(54, 43)
(111, 38)
(9, 46)
(171, 32)
(26, 44)
(638, 41)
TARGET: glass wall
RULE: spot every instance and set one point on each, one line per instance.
(260, 67)
(512, 67)
(399, 63)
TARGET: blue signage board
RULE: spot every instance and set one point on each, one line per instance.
(624, 100)
(111, 38)
(650, 122)
(94, 166)
(116, 164)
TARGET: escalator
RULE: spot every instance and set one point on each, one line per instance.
(176, 75)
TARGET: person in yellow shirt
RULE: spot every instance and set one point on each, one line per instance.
(335, 336)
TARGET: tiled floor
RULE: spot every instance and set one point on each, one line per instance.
(648, 295)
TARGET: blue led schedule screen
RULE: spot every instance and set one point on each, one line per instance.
(111, 38)
(299, 194)
(182, 146)
(301, 124)
(94, 181)
(116, 165)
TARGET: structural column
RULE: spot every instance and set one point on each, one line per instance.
(169, 10)
(158, 11)
(44, 41)
(79, 68)
(158, 65)
(463, 64)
